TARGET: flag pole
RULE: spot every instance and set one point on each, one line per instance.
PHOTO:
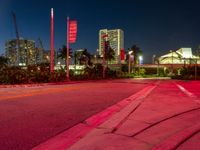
(68, 47)
(52, 42)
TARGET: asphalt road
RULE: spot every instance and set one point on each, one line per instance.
(32, 115)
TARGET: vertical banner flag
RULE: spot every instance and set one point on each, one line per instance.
(122, 55)
(72, 31)
(71, 38)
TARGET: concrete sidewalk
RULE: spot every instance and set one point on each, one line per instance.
(161, 116)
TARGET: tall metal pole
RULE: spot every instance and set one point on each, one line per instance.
(195, 70)
(104, 49)
(52, 41)
(172, 63)
(68, 47)
(129, 63)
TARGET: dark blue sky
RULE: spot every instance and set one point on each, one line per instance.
(156, 26)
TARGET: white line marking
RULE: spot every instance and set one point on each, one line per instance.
(188, 93)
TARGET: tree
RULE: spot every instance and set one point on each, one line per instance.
(109, 52)
(198, 51)
(136, 52)
(62, 53)
(3, 62)
(85, 58)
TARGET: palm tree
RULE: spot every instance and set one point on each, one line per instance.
(85, 57)
(109, 52)
(62, 53)
(136, 51)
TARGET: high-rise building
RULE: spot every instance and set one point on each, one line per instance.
(22, 56)
(115, 38)
(46, 56)
(39, 55)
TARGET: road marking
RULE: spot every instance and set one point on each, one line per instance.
(191, 95)
(186, 91)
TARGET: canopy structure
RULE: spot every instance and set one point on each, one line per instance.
(180, 56)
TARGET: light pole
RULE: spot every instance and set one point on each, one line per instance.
(153, 59)
(129, 61)
(195, 69)
(172, 61)
(140, 62)
(158, 63)
(104, 49)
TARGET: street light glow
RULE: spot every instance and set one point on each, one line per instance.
(140, 58)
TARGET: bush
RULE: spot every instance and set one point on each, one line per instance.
(187, 73)
(32, 74)
(124, 68)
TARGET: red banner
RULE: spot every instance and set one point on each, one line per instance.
(122, 54)
(72, 31)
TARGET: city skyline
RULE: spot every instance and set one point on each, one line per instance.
(155, 27)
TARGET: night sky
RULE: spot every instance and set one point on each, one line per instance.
(155, 26)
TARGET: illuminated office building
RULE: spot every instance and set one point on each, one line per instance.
(115, 38)
(23, 55)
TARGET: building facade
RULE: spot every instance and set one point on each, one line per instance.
(116, 42)
(46, 56)
(39, 55)
(180, 56)
(23, 55)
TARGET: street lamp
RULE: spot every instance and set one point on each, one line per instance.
(172, 67)
(153, 59)
(140, 59)
(104, 36)
(129, 61)
(195, 69)
(140, 62)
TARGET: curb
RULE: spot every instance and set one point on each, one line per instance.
(69, 137)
